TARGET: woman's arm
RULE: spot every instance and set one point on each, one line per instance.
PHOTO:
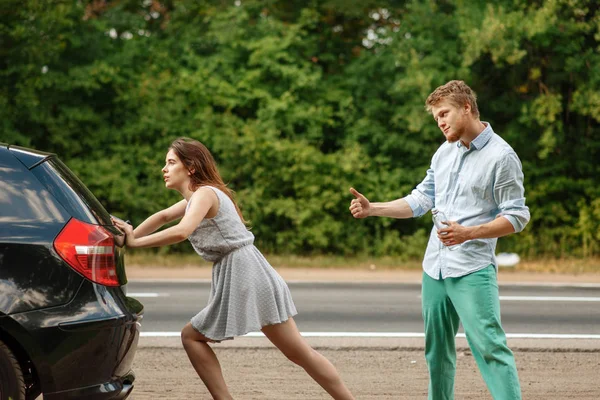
(201, 202)
(155, 221)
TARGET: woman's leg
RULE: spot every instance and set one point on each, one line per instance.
(287, 338)
(205, 362)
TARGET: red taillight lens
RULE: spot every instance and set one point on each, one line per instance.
(90, 250)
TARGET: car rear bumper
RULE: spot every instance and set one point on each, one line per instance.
(85, 346)
(117, 389)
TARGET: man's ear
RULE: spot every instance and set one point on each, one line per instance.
(467, 108)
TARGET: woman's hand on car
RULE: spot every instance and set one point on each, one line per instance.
(125, 228)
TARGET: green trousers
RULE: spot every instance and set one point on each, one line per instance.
(473, 300)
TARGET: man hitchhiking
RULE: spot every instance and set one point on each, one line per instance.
(476, 181)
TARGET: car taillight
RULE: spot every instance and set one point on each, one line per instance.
(90, 250)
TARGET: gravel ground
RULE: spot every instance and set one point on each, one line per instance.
(370, 373)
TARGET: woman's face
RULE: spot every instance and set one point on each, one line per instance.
(175, 174)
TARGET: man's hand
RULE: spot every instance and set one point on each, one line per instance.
(360, 207)
(127, 229)
(454, 234)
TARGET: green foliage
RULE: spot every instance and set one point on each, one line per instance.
(301, 100)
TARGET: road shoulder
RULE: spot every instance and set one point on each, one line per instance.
(345, 343)
(506, 276)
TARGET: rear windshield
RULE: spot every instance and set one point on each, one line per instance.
(74, 196)
(22, 199)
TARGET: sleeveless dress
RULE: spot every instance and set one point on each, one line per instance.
(246, 292)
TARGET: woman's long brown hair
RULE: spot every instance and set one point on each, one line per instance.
(199, 161)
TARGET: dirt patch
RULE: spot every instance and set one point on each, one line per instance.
(264, 373)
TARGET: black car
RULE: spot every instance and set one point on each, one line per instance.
(67, 328)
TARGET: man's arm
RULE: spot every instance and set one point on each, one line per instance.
(361, 207)
(493, 229)
(513, 215)
(509, 192)
(421, 200)
(394, 209)
(456, 233)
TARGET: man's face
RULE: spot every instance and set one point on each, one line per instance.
(451, 119)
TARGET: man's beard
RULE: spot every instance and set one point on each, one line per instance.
(454, 136)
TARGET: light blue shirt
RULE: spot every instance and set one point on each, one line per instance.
(472, 187)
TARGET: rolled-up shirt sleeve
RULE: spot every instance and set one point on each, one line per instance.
(422, 198)
(509, 192)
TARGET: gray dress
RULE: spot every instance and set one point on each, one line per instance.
(246, 292)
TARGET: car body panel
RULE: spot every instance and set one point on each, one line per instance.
(96, 335)
(40, 285)
(30, 218)
(71, 192)
(80, 337)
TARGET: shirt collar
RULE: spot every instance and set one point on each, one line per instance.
(481, 140)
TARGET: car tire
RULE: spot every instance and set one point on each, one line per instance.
(12, 384)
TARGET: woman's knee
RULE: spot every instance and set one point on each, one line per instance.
(189, 334)
(185, 335)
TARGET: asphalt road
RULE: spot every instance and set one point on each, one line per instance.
(381, 307)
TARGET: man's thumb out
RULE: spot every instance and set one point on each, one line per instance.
(356, 193)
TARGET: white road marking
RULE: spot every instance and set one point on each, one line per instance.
(148, 294)
(503, 298)
(341, 282)
(169, 280)
(397, 335)
(548, 298)
(545, 298)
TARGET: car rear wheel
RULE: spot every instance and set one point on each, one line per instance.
(12, 384)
